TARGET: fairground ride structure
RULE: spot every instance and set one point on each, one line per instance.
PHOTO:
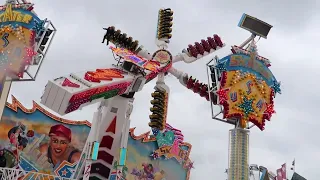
(25, 42)
(259, 171)
(115, 87)
(263, 172)
(246, 88)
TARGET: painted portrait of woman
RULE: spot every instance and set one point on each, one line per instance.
(59, 148)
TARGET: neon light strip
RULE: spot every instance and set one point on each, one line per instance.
(242, 19)
(95, 151)
(123, 155)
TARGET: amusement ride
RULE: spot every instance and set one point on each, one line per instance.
(246, 88)
(115, 87)
(241, 84)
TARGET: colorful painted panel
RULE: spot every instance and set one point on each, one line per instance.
(147, 160)
(40, 141)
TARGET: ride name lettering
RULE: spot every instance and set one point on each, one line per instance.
(250, 63)
(10, 16)
(165, 150)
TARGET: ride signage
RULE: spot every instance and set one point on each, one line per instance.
(15, 15)
(18, 29)
(247, 88)
(248, 63)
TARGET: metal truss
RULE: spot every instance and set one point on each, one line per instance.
(214, 85)
(31, 71)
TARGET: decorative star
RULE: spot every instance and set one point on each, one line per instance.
(175, 148)
(276, 87)
(246, 106)
(155, 131)
(221, 66)
(39, 26)
(222, 93)
(165, 139)
(154, 155)
(269, 111)
(190, 165)
(253, 49)
(64, 173)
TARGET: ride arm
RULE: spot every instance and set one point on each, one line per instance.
(121, 40)
(181, 76)
(159, 109)
(193, 84)
(66, 94)
(164, 28)
(199, 50)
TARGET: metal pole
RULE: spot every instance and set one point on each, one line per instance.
(4, 92)
(247, 41)
(48, 46)
(209, 85)
(286, 172)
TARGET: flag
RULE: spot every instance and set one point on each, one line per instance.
(282, 173)
(279, 174)
(293, 164)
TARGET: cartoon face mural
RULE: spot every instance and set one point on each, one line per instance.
(40, 141)
(44, 143)
(148, 160)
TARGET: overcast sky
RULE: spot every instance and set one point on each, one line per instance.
(291, 46)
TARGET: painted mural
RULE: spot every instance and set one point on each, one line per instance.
(37, 141)
(151, 158)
